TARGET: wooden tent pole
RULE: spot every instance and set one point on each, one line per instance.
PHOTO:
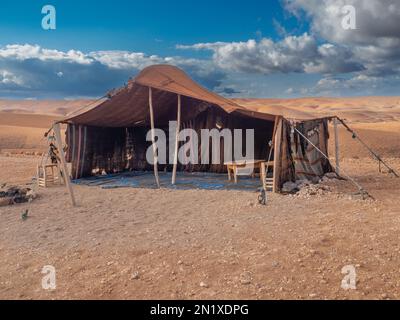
(274, 132)
(335, 124)
(178, 128)
(265, 168)
(277, 154)
(57, 132)
(153, 138)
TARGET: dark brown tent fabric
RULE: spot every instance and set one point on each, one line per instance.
(110, 135)
(129, 106)
(93, 150)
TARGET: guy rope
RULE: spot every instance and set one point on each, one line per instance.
(361, 190)
(374, 154)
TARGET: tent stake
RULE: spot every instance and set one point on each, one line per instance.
(67, 180)
(335, 124)
(178, 128)
(153, 138)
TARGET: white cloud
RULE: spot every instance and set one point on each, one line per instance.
(8, 78)
(27, 51)
(376, 20)
(30, 69)
(376, 40)
(291, 54)
(125, 59)
(289, 91)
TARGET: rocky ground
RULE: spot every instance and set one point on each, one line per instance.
(163, 244)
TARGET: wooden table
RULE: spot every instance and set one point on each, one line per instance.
(255, 164)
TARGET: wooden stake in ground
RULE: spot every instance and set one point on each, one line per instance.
(335, 125)
(67, 180)
(178, 128)
(153, 138)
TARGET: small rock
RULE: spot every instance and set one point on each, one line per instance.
(203, 285)
(135, 275)
(331, 175)
(245, 278)
(289, 187)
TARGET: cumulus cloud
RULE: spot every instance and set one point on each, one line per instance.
(125, 59)
(8, 78)
(328, 58)
(27, 51)
(360, 84)
(374, 42)
(30, 70)
(377, 21)
(291, 54)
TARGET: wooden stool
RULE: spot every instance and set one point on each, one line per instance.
(48, 174)
(268, 183)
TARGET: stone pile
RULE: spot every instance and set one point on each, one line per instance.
(10, 195)
(307, 189)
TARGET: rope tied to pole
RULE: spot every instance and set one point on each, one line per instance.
(373, 153)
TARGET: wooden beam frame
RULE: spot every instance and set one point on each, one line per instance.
(178, 128)
(57, 132)
(153, 138)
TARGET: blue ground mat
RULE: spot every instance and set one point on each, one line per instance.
(184, 181)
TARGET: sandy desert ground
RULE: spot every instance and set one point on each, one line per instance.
(163, 244)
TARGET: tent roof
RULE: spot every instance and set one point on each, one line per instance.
(128, 105)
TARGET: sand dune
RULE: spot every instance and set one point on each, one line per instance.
(27, 120)
(15, 139)
(357, 109)
(23, 132)
(52, 107)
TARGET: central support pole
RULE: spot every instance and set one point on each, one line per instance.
(178, 128)
(335, 125)
(153, 138)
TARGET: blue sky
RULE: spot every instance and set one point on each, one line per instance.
(274, 48)
(151, 26)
